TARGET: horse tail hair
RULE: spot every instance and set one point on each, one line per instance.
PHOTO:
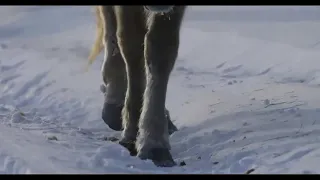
(98, 44)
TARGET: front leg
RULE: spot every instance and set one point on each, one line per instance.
(130, 34)
(113, 71)
(161, 49)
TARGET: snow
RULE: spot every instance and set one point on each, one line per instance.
(244, 93)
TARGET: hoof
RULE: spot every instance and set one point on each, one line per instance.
(161, 157)
(130, 146)
(111, 115)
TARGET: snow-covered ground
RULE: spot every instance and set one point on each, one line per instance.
(244, 93)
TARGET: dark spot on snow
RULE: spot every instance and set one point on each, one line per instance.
(298, 115)
(231, 69)
(182, 163)
(215, 163)
(112, 139)
(266, 102)
(250, 171)
(52, 138)
(221, 65)
(265, 71)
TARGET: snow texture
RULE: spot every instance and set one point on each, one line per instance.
(244, 93)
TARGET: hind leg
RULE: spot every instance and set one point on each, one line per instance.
(161, 49)
(113, 73)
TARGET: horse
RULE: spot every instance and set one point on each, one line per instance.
(141, 45)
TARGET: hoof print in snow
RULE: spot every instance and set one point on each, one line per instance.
(215, 163)
(250, 171)
(52, 138)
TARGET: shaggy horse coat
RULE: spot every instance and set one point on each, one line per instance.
(141, 46)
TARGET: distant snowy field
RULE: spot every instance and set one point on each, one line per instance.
(244, 93)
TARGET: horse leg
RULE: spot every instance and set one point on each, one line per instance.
(113, 73)
(130, 33)
(161, 50)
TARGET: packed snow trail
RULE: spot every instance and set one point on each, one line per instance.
(244, 93)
